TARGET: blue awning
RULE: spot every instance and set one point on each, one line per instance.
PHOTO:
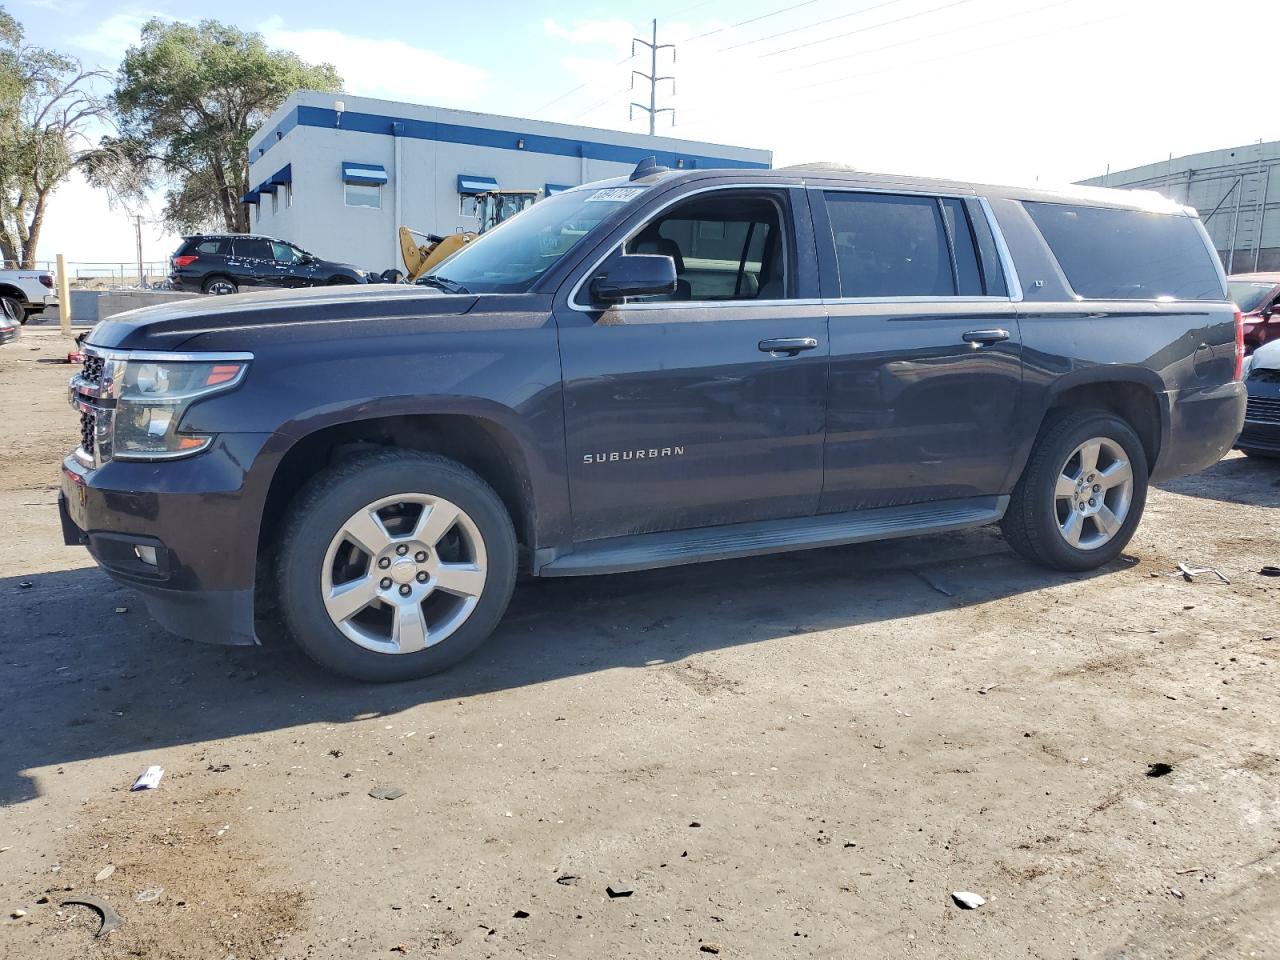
(283, 176)
(251, 197)
(472, 184)
(553, 188)
(369, 174)
(267, 187)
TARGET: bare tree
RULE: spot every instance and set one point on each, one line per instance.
(47, 106)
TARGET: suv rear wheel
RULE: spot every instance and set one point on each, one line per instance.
(220, 286)
(394, 565)
(1082, 493)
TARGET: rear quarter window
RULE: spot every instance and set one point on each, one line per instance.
(1111, 254)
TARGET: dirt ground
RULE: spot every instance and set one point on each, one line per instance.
(794, 756)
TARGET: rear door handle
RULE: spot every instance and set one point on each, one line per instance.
(788, 345)
(994, 335)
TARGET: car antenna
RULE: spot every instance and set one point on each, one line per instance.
(647, 168)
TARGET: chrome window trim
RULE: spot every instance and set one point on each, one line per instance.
(572, 300)
(1011, 281)
(846, 301)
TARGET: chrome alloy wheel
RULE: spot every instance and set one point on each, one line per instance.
(1093, 493)
(222, 288)
(404, 573)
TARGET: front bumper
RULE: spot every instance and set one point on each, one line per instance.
(1261, 431)
(183, 533)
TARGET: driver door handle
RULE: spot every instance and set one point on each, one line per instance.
(788, 345)
(994, 335)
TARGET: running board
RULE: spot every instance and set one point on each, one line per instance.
(651, 550)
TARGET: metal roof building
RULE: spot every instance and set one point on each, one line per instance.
(337, 174)
(1236, 191)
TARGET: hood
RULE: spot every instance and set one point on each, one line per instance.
(1266, 357)
(170, 326)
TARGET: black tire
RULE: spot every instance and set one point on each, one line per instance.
(322, 507)
(209, 282)
(18, 310)
(1030, 525)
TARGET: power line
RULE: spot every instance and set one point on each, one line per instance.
(810, 26)
(874, 26)
(582, 86)
(743, 23)
(599, 103)
(929, 36)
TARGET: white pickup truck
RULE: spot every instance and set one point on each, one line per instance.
(27, 291)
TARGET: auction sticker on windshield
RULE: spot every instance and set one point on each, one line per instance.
(616, 194)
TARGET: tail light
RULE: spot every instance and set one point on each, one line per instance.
(47, 280)
(1239, 345)
(185, 261)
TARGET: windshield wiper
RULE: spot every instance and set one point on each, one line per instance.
(443, 283)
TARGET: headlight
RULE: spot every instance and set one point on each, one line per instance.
(152, 397)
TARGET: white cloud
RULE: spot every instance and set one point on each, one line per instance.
(112, 37)
(382, 68)
(616, 33)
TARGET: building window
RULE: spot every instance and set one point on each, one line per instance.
(364, 195)
(288, 194)
(275, 203)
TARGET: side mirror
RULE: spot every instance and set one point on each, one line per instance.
(308, 258)
(634, 275)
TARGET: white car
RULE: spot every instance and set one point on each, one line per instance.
(28, 292)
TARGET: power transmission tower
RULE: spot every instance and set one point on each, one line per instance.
(652, 76)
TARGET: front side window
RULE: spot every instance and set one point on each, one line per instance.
(285, 253)
(513, 255)
(726, 246)
(1110, 254)
(364, 195)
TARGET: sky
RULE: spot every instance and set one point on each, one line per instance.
(1013, 91)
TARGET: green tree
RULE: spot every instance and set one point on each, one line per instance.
(47, 105)
(187, 101)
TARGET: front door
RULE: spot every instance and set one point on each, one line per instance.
(707, 406)
(925, 350)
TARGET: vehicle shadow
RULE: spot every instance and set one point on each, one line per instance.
(87, 673)
(1249, 481)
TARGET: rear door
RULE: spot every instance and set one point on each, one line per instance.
(925, 350)
(252, 261)
(706, 407)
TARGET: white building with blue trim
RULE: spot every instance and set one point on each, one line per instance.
(338, 174)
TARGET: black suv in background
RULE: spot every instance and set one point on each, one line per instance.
(223, 263)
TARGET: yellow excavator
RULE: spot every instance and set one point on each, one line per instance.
(422, 251)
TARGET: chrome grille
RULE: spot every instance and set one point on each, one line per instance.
(86, 432)
(92, 371)
(1263, 410)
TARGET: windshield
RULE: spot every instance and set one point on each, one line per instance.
(513, 255)
(1249, 295)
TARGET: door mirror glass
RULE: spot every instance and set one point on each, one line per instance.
(634, 275)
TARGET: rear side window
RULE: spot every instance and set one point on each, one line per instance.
(211, 247)
(253, 249)
(1128, 254)
(902, 246)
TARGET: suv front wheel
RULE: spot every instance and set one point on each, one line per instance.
(1082, 493)
(395, 565)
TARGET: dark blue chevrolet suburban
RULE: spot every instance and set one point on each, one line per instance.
(672, 368)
